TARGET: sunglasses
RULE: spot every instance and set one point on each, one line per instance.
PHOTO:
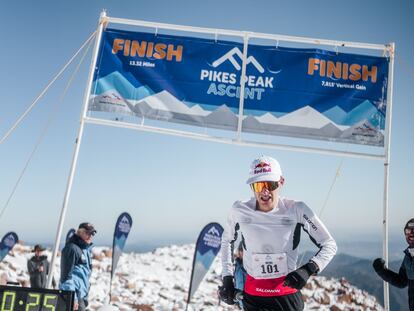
(89, 233)
(269, 185)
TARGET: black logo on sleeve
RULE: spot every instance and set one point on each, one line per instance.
(310, 222)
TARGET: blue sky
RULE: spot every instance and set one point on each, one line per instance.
(173, 186)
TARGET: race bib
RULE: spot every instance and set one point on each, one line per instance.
(269, 266)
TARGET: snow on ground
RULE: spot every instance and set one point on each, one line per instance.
(159, 281)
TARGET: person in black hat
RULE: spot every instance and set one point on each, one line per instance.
(38, 268)
(405, 275)
(76, 264)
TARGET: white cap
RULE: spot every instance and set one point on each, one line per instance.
(264, 168)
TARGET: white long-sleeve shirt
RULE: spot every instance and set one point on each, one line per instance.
(274, 232)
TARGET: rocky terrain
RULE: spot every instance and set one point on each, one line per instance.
(159, 281)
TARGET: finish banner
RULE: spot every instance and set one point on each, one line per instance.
(206, 249)
(7, 243)
(304, 93)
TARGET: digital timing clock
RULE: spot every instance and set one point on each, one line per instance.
(15, 298)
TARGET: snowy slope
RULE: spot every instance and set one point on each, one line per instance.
(159, 281)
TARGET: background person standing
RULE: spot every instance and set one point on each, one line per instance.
(38, 268)
(405, 275)
(76, 264)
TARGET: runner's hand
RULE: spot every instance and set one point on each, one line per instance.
(298, 278)
(378, 264)
(227, 292)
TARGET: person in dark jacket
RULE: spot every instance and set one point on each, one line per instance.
(76, 264)
(405, 276)
(38, 268)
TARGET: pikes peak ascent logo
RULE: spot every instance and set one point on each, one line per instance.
(212, 238)
(214, 231)
(124, 225)
(228, 83)
(230, 57)
(9, 241)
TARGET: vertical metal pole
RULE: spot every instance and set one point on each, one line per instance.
(242, 85)
(385, 230)
(77, 147)
(386, 168)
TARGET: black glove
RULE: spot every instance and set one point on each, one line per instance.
(378, 264)
(227, 292)
(298, 278)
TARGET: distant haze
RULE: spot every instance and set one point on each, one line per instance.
(368, 245)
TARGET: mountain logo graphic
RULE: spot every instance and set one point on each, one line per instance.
(9, 241)
(230, 57)
(124, 225)
(124, 221)
(213, 231)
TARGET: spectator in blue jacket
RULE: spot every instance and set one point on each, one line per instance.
(76, 264)
(405, 275)
(239, 275)
(239, 272)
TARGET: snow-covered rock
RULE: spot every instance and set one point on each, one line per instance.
(159, 281)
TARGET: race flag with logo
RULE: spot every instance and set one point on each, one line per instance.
(7, 243)
(206, 249)
(122, 228)
(70, 233)
(294, 92)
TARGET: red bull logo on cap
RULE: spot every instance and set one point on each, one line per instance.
(262, 167)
